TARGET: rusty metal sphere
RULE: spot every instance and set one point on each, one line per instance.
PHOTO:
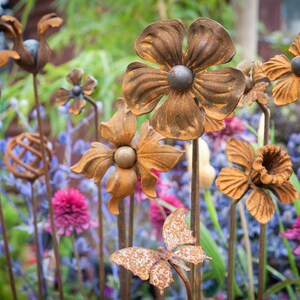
(125, 157)
(180, 77)
(32, 46)
(295, 63)
(23, 157)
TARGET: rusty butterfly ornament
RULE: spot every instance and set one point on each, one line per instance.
(155, 265)
(130, 158)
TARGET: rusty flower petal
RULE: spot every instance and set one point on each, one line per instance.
(5, 55)
(208, 44)
(89, 85)
(120, 129)
(287, 90)
(77, 106)
(232, 182)
(161, 43)
(219, 91)
(273, 164)
(212, 125)
(179, 117)
(152, 155)
(295, 46)
(260, 206)
(95, 162)
(75, 76)
(257, 93)
(277, 67)
(48, 21)
(62, 96)
(286, 193)
(143, 87)
(120, 184)
(240, 153)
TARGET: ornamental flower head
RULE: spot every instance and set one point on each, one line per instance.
(269, 168)
(130, 159)
(294, 234)
(78, 92)
(255, 86)
(287, 89)
(71, 213)
(31, 55)
(197, 100)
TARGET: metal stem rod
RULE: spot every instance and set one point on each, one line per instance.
(47, 182)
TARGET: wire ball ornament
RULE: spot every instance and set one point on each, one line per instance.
(23, 157)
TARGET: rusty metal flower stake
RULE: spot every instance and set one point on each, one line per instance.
(154, 265)
(197, 100)
(79, 93)
(17, 162)
(32, 55)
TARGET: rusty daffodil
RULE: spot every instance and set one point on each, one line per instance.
(78, 92)
(255, 86)
(129, 158)
(269, 168)
(287, 89)
(197, 100)
(31, 55)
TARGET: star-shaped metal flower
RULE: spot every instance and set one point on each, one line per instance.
(197, 100)
(31, 55)
(129, 158)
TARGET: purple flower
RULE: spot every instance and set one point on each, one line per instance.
(293, 234)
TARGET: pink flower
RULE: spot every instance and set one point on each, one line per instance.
(293, 234)
(70, 212)
(233, 127)
(158, 213)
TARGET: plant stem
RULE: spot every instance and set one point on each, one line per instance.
(262, 242)
(78, 268)
(47, 182)
(186, 282)
(122, 244)
(195, 279)
(7, 254)
(230, 287)
(37, 244)
(99, 209)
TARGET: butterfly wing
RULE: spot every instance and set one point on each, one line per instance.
(191, 254)
(136, 259)
(161, 275)
(175, 230)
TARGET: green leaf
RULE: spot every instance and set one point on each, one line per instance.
(282, 285)
(295, 182)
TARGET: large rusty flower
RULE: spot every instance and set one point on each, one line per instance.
(197, 100)
(268, 169)
(287, 89)
(31, 55)
(129, 159)
(255, 86)
(78, 92)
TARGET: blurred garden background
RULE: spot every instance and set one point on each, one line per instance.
(98, 37)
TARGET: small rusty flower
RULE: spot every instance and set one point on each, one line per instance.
(23, 156)
(269, 168)
(78, 92)
(287, 89)
(255, 86)
(197, 100)
(128, 158)
(31, 55)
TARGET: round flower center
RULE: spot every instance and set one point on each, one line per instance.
(125, 157)
(296, 65)
(180, 77)
(76, 90)
(32, 46)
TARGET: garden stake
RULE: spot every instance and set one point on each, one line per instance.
(37, 244)
(195, 217)
(7, 254)
(100, 214)
(262, 229)
(122, 244)
(230, 292)
(78, 268)
(47, 182)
